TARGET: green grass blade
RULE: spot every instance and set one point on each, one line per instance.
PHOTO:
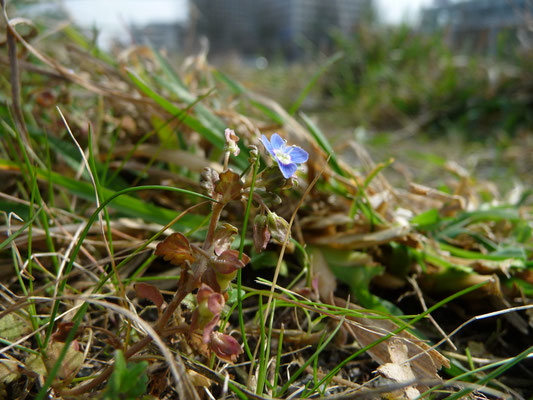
(216, 138)
(323, 143)
(127, 205)
(327, 64)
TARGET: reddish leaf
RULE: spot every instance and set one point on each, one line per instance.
(176, 249)
(149, 292)
(62, 331)
(229, 186)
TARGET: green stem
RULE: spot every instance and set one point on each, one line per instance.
(241, 250)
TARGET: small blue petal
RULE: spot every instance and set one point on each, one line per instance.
(287, 170)
(277, 141)
(298, 155)
(267, 145)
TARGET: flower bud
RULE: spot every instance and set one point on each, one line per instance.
(225, 346)
(278, 227)
(231, 142)
(254, 154)
(261, 233)
(209, 177)
(207, 314)
(272, 179)
(226, 266)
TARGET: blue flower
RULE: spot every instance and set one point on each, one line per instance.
(287, 157)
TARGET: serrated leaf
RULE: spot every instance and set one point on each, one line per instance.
(228, 262)
(176, 249)
(229, 186)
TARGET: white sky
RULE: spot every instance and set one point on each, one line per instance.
(109, 12)
(395, 11)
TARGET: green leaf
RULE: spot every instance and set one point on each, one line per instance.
(13, 327)
(273, 115)
(234, 86)
(426, 219)
(127, 205)
(128, 381)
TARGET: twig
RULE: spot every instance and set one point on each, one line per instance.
(424, 307)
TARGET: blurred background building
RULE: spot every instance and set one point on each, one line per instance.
(162, 35)
(288, 29)
(481, 25)
(274, 27)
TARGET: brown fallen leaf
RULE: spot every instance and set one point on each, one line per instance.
(399, 369)
(350, 240)
(71, 364)
(425, 361)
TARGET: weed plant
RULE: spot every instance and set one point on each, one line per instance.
(161, 240)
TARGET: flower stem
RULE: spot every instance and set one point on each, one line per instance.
(241, 249)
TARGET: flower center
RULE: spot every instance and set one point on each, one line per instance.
(283, 157)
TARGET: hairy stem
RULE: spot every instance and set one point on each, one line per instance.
(215, 216)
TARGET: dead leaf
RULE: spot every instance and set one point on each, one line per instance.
(8, 371)
(350, 240)
(176, 249)
(13, 327)
(426, 361)
(327, 283)
(71, 364)
(399, 368)
(198, 379)
(367, 331)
